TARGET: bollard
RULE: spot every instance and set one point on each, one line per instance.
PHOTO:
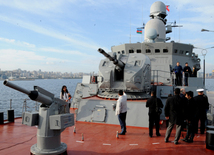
(117, 135)
(1, 117)
(74, 130)
(82, 137)
(10, 115)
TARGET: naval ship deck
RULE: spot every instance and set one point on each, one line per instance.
(16, 138)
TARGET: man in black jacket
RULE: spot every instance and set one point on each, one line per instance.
(174, 111)
(187, 73)
(154, 104)
(190, 116)
(202, 107)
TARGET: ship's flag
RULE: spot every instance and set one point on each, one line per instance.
(139, 31)
(167, 7)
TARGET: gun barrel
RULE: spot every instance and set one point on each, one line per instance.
(105, 54)
(34, 95)
(118, 63)
(11, 85)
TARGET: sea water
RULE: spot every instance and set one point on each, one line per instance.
(17, 99)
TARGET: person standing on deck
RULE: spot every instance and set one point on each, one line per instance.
(65, 95)
(190, 116)
(194, 72)
(174, 110)
(121, 111)
(178, 73)
(154, 104)
(187, 73)
(202, 107)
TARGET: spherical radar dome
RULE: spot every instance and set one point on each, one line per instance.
(158, 8)
(159, 28)
(151, 34)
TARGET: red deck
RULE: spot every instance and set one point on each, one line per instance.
(16, 138)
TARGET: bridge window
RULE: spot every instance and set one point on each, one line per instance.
(138, 51)
(118, 52)
(148, 51)
(123, 51)
(131, 51)
(181, 52)
(165, 50)
(187, 53)
(175, 51)
(157, 50)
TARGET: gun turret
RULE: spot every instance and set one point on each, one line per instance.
(120, 65)
(38, 94)
(52, 119)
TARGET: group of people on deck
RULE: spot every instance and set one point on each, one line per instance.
(187, 71)
(180, 108)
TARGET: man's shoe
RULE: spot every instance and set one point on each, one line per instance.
(150, 136)
(166, 141)
(185, 140)
(158, 134)
(175, 143)
(190, 141)
(121, 133)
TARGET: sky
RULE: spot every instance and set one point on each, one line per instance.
(64, 35)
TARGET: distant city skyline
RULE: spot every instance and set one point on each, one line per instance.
(19, 74)
(65, 35)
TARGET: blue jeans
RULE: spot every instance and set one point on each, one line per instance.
(122, 120)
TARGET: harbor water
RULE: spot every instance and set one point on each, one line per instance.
(16, 99)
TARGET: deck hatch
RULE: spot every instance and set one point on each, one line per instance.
(99, 115)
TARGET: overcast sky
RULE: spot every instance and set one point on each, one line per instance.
(64, 35)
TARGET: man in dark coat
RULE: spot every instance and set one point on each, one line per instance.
(187, 73)
(154, 104)
(174, 111)
(178, 73)
(202, 107)
(190, 116)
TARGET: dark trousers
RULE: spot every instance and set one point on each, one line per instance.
(178, 79)
(190, 130)
(122, 120)
(154, 118)
(202, 125)
(186, 81)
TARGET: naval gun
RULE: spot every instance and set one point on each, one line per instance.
(52, 119)
(120, 71)
(119, 64)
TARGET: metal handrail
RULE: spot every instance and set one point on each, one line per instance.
(157, 75)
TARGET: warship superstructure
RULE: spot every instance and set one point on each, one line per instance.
(136, 68)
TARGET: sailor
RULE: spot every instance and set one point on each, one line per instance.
(187, 73)
(174, 113)
(121, 111)
(178, 73)
(190, 114)
(154, 105)
(202, 107)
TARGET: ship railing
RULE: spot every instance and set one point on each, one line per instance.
(159, 74)
(19, 106)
